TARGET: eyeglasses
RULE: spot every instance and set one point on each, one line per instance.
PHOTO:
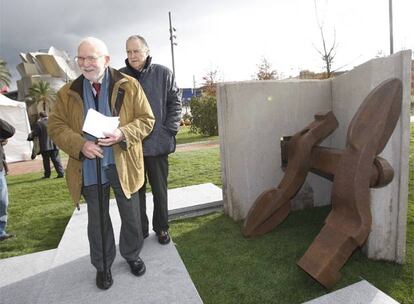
(91, 59)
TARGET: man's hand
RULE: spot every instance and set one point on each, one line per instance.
(111, 138)
(92, 150)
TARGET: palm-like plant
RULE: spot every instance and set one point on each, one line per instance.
(4, 74)
(42, 92)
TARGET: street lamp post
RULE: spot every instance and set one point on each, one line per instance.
(172, 41)
(391, 31)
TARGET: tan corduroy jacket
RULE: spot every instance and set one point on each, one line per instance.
(136, 122)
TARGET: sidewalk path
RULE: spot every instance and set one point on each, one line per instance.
(65, 276)
(37, 165)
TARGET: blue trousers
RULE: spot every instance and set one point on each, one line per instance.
(4, 202)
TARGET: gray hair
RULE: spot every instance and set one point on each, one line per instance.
(140, 38)
(98, 43)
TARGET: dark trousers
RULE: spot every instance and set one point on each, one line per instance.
(156, 171)
(54, 156)
(131, 239)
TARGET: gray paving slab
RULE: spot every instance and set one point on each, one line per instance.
(68, 276)
(21, 267)
(204, 196)
(166, 280)
(359, 293)
(24, 291)
(180, 201)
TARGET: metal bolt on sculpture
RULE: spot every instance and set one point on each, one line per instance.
(353, 171)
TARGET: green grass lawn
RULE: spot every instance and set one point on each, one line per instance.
(184, 136)
(39, 210)
(193, 168)
(228, 268)
(225, 266)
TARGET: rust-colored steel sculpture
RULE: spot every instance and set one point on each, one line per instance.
(353, 170)
(349, 222)
(324, 162)
(273, 206)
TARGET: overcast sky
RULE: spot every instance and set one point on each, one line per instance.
(230, 36)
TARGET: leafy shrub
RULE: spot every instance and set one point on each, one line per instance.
(204, 115)
(412, 105)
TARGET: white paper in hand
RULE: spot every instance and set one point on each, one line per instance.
(96, 124)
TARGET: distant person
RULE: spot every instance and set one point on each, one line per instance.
(47, 147)
(112, 93)
(159, 86)
(6, 131)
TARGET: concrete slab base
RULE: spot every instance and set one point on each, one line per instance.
(65, 274)
(205, 198)
(19, 268)
(165, 281)
(358, 293)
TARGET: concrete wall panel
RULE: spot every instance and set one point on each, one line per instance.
(253, 116)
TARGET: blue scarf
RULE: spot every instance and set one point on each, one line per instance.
(89, 165)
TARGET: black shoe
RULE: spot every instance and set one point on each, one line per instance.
(45, 177)
(163, 237)
(104, 281)
(59, 176)
(6, 236)
(137, 267)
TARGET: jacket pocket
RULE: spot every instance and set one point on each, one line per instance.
(166, 141)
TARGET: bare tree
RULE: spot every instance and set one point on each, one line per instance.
(265, 71)
(327, 53)
(209, 83)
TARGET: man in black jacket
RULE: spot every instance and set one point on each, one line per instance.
(6, 131)
(163, 95)
(48, 149)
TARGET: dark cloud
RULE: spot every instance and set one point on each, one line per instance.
(27, 26)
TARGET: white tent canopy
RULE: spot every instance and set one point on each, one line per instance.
(14, 112)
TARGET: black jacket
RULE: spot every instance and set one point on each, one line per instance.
(40, 131)
(165, 100)
(6, 131)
